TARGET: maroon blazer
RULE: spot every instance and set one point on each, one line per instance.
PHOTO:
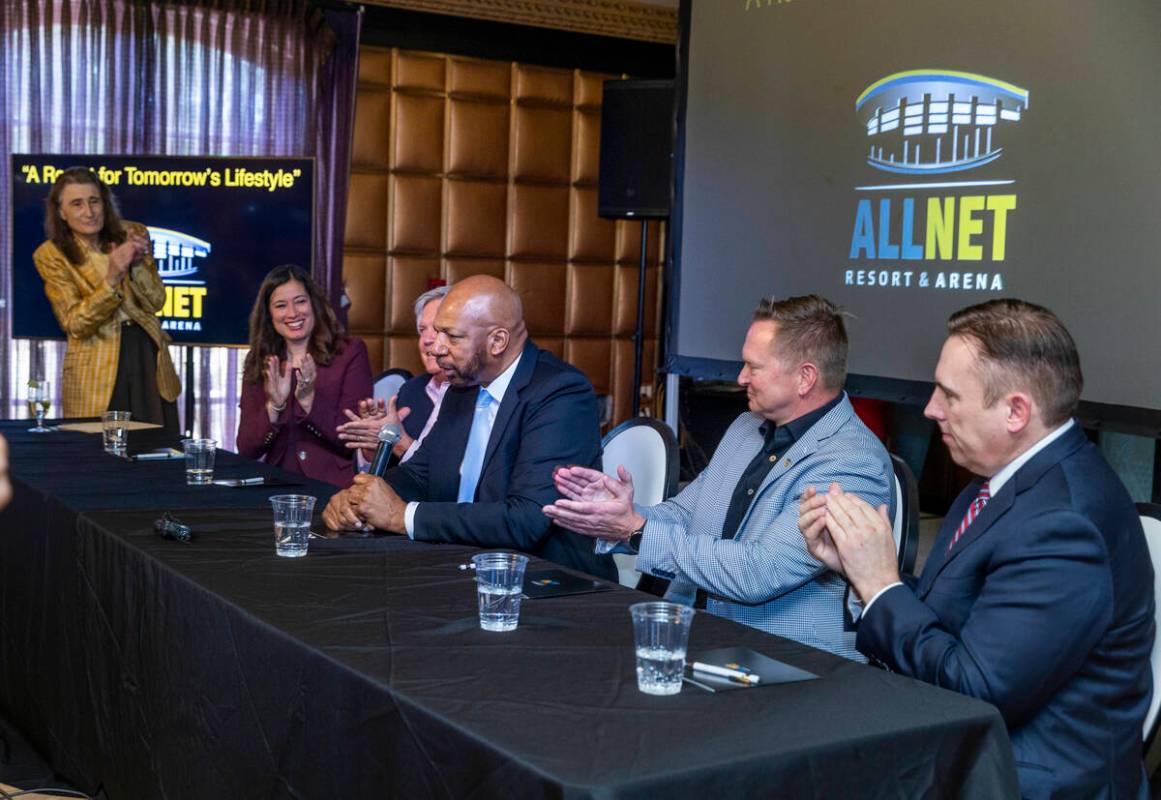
(308, 443)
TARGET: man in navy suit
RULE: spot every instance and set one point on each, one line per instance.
(512, 414)
(1038, 593)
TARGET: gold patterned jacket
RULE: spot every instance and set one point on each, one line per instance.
(86, 308)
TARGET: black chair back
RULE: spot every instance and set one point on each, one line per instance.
(908, 498)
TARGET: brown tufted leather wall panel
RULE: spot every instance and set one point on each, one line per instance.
(462, 166)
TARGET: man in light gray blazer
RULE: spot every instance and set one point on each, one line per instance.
(733, 533)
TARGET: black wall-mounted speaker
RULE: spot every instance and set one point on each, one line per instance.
(636, 149)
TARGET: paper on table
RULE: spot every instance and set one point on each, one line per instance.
(96, 427)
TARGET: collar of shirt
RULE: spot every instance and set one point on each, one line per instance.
(795, 428)
(1001, 477)
(499, 386)
(435, 391)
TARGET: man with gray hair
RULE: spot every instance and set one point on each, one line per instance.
(415, 406)
(1038, 593)
(732, 534)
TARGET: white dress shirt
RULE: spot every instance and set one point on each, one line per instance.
(435, 393)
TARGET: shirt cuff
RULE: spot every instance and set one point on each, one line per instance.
(878, 594)
(602, 547)
(409, 519)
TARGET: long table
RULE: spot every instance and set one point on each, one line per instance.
(156, 669)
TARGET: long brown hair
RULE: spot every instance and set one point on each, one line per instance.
(326, 341)
(58, 231)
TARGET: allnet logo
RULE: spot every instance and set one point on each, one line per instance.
(930, 122)
(174, 252)
(176, 255)
(929, 127)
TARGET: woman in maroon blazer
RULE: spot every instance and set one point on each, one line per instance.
(301, 372)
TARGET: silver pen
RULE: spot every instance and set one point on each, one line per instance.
(736, 675)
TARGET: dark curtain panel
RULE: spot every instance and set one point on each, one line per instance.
(189, 77)
(334, 129)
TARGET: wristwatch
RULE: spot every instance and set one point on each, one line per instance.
(634, 540)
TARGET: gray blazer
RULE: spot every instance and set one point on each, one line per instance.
(764, 577)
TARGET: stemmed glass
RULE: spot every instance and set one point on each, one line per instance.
(39, 400)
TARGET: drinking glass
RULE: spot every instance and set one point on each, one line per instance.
(115, 432)
(39, 400)
(499, 588)
(199, 461)
(660, 633)
(292, 515)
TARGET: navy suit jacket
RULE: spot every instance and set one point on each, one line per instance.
(1045, 609)
(548, 418)
(413, 395)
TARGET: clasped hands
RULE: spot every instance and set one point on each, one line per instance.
(850, 537)
(125, 255)
(594, 504)
(369, 503)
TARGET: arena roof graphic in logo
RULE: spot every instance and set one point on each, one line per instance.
(929, 122)
(174, 252)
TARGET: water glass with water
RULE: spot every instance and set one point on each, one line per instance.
(39, 400)
(115, 431)
(199, 460)
(660, 634)
(500, 587)
(292, 515)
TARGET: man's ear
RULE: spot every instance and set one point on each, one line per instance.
(1021, 410)
(498, 341)
(807, 378)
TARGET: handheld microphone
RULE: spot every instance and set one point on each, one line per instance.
(389, 434)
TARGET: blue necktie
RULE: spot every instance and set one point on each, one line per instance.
(477, 446)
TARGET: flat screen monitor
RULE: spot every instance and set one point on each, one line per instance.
(217, 226)
(907, 159)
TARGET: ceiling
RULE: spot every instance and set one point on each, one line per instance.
(643, 20)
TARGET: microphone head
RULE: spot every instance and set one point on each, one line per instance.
(390, 433)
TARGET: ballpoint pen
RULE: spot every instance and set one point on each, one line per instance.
(736, 675)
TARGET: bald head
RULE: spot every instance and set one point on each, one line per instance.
(479, 330)
(487, 300)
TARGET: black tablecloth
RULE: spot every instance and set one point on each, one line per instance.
(161, 669)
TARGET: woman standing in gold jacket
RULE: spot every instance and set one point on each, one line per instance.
(100, 278)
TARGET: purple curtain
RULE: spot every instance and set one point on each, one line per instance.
(334, 129)
(180, 77)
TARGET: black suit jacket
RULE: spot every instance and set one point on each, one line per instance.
(548, 418)
(1044, 608)
(413, 395)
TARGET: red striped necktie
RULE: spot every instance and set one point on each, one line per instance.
(973, 511)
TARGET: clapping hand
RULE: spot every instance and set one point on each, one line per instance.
(276, 384)
(595, 504)
(362, 429)
(5, 484)
(125, 255)
(812, 524)
(306, 374)
(851, 538)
